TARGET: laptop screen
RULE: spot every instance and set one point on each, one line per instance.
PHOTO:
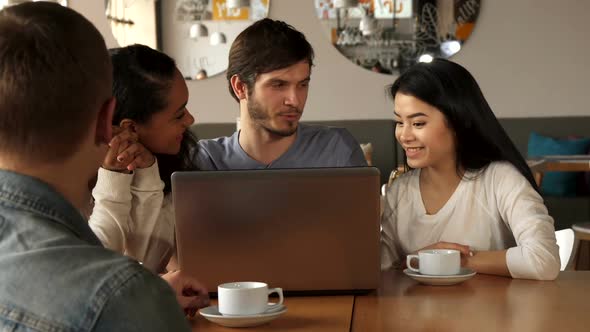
(299, 229)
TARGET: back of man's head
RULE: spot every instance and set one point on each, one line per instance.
(265, 46)
(55, 74)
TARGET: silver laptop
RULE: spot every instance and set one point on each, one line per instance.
(299, 229)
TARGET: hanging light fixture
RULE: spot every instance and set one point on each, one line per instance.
(368, 25)
(425, 58)
(236, 4)
(198, 30)
(217, 38)
(450, 47)
(345, 3)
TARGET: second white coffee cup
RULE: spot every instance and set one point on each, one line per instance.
(246, 298)
(438, 262)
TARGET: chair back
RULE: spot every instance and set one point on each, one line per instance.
(565, 241)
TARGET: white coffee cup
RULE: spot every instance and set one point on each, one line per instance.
(246, 298)
(438, 262)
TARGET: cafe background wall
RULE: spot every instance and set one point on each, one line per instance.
(531, 58)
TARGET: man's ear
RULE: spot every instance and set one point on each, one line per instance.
(239, 87)
(104, 123)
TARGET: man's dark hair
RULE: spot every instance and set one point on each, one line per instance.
(265, 46)
(55, 73)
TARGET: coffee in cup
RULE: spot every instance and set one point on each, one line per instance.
(246, 298)
(437, 262)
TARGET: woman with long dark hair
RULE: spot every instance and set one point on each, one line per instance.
(133, 210)
(467, 186)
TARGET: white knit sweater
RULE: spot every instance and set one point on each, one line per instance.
(131, 215)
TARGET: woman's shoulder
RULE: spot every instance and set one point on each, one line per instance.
(502, 177)
(408, 175)
(502, 170)
(502, 166)
(402, 183)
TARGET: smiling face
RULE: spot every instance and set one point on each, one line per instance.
(163, 132)
(423, 132)
(277, 99)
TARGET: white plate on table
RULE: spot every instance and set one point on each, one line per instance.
(463, 275)
(212, 314)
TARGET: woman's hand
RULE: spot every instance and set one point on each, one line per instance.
(125, 152)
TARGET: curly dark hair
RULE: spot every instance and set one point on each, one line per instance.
(142, 78)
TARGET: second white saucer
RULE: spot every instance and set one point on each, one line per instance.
(212, 314)
(465, 274)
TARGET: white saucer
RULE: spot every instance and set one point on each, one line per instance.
(441, 280)
(212, 314)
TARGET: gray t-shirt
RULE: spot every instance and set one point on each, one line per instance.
(315, 146)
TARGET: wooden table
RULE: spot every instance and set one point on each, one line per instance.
(312, 313)
(483, 303)
(573, 163)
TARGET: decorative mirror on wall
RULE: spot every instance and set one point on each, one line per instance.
(5, 3)
(388, 36)
(196, 33)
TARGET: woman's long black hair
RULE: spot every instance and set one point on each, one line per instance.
(142, 78)
(480, 139)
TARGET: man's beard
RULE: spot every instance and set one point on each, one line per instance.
(260, 116)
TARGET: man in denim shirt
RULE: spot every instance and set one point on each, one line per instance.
(55, 114)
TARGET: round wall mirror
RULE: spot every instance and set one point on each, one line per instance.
(5, 3)
(197, 34)
(388, 36)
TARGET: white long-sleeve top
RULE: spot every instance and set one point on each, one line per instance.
(496, 209)
(132, 215)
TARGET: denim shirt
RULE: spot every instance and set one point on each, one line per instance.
(56, 276)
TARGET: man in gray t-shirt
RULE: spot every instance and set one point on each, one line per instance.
(314, 146)
(268, 73)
